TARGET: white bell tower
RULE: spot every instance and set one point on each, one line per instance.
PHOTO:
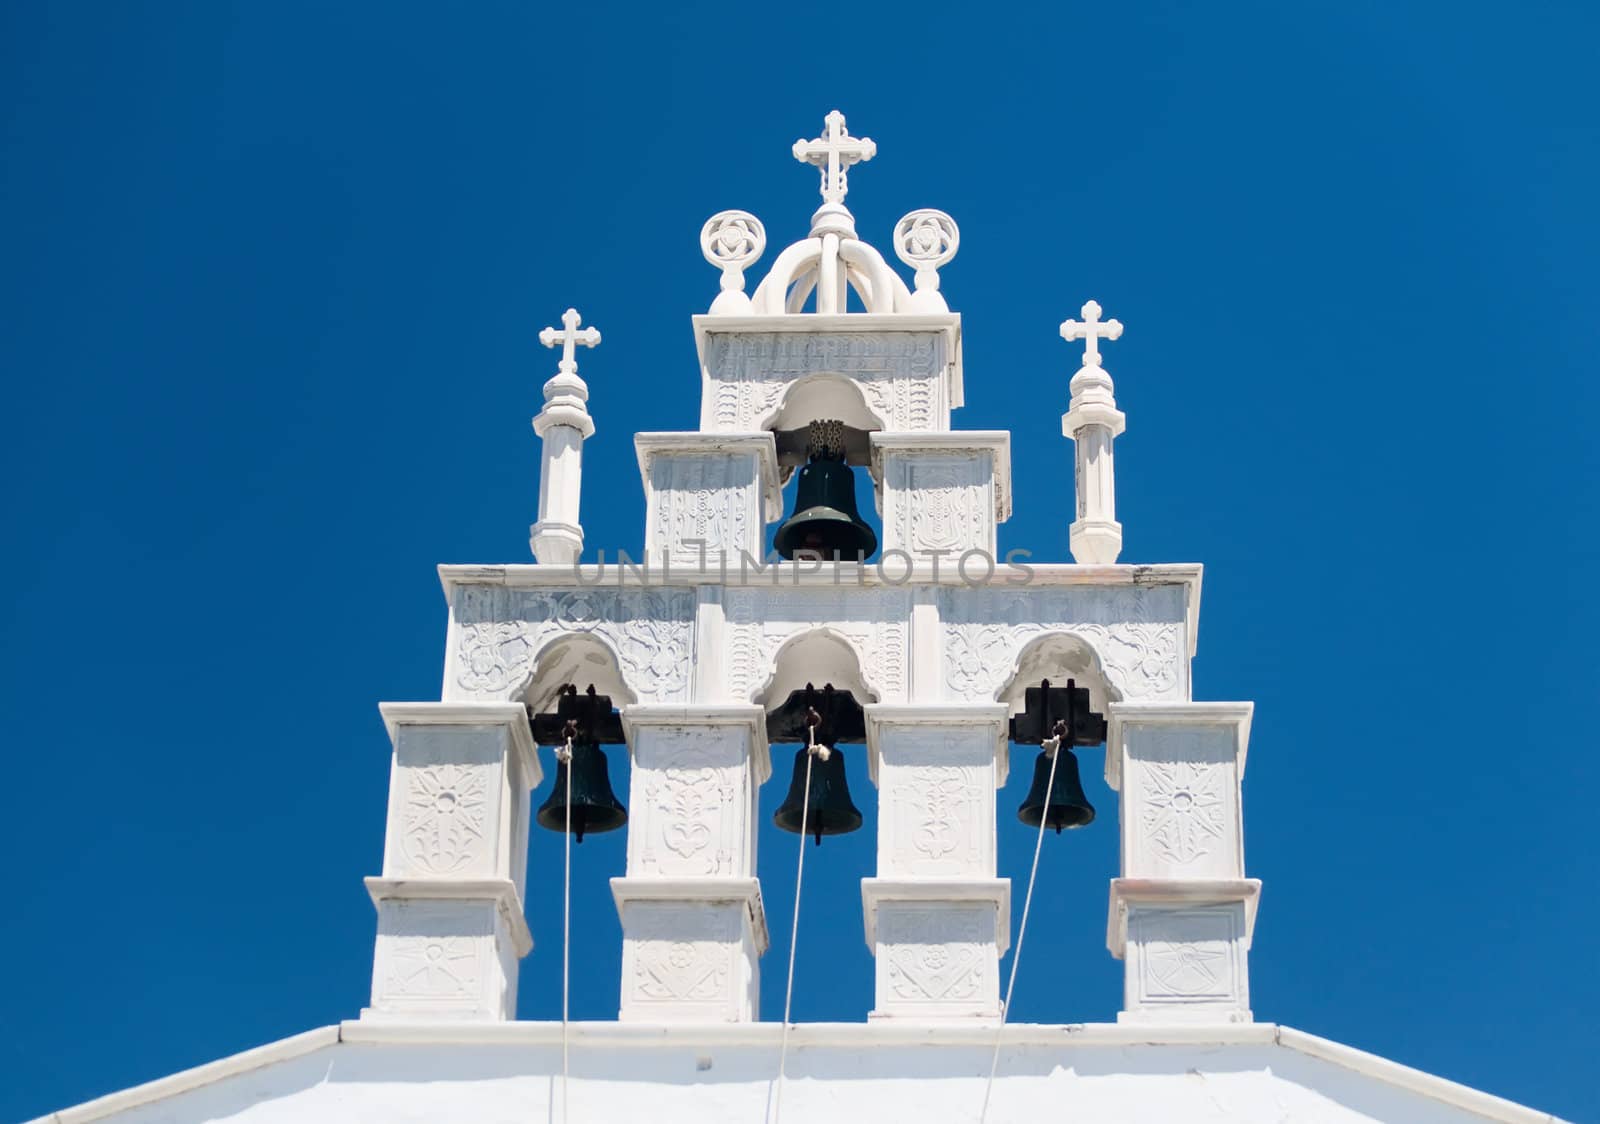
(935, 639)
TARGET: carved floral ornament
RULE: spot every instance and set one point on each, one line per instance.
(502, 633)
(694, 964)
(1140, 661)
(935, 955)
(871, 622)
(691, 805)
(1184, 813)
(443, 822)
(1135, 634)
(940, 804)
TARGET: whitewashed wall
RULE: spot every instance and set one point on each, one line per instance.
(1095, 1074)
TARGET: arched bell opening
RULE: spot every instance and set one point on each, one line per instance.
(578, 658)
(833, 968)
(822, 430)
(558, 691)
(822, 397)
(1058, 656)
(1078, 859)
(1058, 696)
(817, 656)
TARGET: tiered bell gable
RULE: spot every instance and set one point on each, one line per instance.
(834, 367)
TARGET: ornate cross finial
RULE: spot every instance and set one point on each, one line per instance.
(1091, 330)
(569, 338)
(834, 151)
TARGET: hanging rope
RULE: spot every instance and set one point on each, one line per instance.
(813, 751)
(564, 756)
(1050, 745)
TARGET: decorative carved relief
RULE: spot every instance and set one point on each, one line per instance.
(1183, 808)
(940, 806)
(501, 630)
(433, 968)
(686, 955)
(444, 818)
(897, 373)
(432, 953)
(693, 804)
(1187, 955)
(1136, 632)
(873, 621)
(1186, 970)
(977, 657)
(703, 499)
(936, 955)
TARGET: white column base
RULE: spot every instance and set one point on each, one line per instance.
(450, 923)
(691, 949)
(555, 544)
(446, 949)
(1185, 946)
(1095, 542)
(937, 946)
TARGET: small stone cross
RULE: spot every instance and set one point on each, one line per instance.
(569, 338)
(834, 151)
(1091, 330)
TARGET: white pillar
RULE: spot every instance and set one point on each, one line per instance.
(708, 497)
(450, 922)
(942, 496)
(1092, 421)
(563, 425)
(693, 926)
(937, 918)
(1182, 913)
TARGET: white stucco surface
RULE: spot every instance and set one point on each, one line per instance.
(483, 1074)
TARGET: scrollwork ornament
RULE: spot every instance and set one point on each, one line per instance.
(731, 241)
(926, 240)
(494, 654)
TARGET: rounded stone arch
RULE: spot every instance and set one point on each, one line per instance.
(1059, 655)
(816, 655)
(579, 658)
(823, 394)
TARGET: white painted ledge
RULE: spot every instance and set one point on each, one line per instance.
(444, 888)
(1177, 892)
(844, 575)
(941, 891)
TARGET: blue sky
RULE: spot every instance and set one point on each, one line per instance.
(272, 278)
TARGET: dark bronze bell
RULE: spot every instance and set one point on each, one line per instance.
(830, 810)
(586, 720)
(1062, 713)
(594, 806)
(826, 717)
(825, 520)
(1067, 806)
